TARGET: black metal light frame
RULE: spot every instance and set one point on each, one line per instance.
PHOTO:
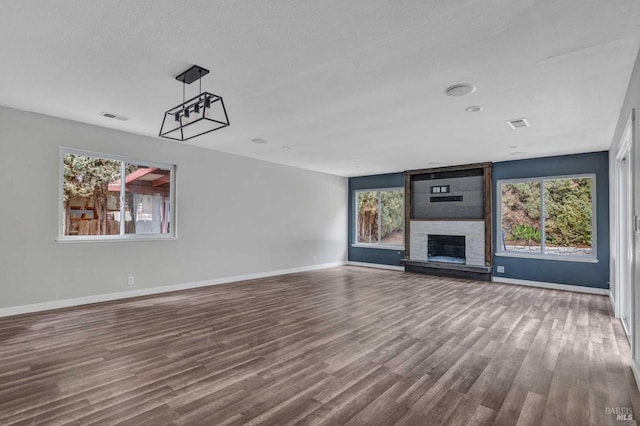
(199, 107)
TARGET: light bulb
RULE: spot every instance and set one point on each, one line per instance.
(207, 106)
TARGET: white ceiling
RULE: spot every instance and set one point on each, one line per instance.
(353, 87)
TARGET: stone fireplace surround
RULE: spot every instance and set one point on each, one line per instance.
(472, 230)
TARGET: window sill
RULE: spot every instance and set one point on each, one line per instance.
(584, 259)
(114, 239)
(377, 246)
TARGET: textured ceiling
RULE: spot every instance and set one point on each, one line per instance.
(353, 87)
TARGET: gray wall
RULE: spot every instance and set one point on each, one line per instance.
(554, 271)
(372, 255)
(236, 216)
(470, 188)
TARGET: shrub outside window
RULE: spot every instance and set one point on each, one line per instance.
(380, 218)
(106, 197)
(548, 217)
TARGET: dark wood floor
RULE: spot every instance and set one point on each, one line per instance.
(342, 346)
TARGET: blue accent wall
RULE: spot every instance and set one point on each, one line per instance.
(372, 255)
(561, 272)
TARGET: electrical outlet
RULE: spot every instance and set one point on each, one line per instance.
(500, 269)
(131, 280)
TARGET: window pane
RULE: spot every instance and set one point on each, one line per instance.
(367, 221)
(88, 199)
(147, 200)
(568, 216)
(392, 223)
(521, 217)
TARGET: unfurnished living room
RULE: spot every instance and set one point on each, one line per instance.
(356, 212)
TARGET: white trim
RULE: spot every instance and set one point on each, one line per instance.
(65, 303)
(612, 300)
(61, 238)
(378, 246)
(376, 265)
(553, 286)
(561, 258)
(551, 177)
(355, 219)
(541, 179)
(621, 270)
(107, 156)
(115, 238)
(634, 370)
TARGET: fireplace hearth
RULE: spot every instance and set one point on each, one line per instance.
(446, 248)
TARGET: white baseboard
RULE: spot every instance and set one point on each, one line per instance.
(376, 265)
(553, 286)
(613, 304)
(65, 303)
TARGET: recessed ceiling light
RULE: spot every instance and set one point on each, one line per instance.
(461, 89)
(517, 153)
(513, 146)
(286, 148)
(258, 140)
(473, 108)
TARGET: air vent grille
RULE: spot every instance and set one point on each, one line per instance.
(114, 116)
(518, 123)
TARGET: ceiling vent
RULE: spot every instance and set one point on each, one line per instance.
(518, 123)
(114, 116)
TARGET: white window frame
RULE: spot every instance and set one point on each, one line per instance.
(377, 245)
(122, 236)
(593, 258)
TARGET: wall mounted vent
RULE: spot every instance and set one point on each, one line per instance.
(518, 123)
(114, 116)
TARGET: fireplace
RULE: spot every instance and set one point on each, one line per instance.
(446, 248)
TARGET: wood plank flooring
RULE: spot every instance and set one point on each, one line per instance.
(348, 345)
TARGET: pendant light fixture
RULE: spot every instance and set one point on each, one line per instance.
(197, 116)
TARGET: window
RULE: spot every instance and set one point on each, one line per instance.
(96, 205)
(548, 217)
(380, 218)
